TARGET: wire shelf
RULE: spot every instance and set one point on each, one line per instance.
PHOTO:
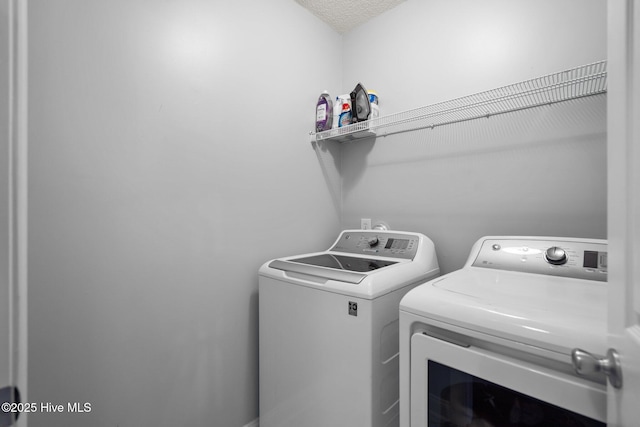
(579, 82)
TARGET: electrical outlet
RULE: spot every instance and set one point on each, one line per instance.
(365, 223)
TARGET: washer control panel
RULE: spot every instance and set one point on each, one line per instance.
(576, 258)
(375, 242)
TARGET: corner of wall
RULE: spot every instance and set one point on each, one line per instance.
(254, 423)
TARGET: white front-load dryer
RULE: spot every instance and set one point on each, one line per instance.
(329, 329)
(504, 341)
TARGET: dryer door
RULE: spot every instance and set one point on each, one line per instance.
(453, 384)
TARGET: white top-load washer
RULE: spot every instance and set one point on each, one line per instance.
(492, 343)
(329, 329)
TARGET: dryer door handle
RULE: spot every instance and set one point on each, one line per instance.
(586, 363)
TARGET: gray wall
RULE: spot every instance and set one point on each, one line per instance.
(168, 159)
(536, 172)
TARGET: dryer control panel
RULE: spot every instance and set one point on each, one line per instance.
(567, 257)
(378, 243)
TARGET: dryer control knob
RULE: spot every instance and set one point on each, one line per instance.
(373, 241)
(555, 255)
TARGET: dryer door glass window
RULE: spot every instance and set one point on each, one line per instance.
(458, 399)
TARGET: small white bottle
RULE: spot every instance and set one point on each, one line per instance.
(337, 108)
(343, 105)
(373, 100)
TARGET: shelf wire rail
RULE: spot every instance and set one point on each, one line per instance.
(579, 82)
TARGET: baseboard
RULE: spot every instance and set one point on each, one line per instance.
(254, 423)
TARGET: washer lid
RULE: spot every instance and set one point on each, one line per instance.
(554, 313)
(361, 263)
(343, 262)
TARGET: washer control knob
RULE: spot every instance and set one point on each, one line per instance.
(373, 241)
(555, 255)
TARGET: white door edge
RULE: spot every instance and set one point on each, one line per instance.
(623, 133)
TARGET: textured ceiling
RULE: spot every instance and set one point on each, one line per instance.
(344, 15)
